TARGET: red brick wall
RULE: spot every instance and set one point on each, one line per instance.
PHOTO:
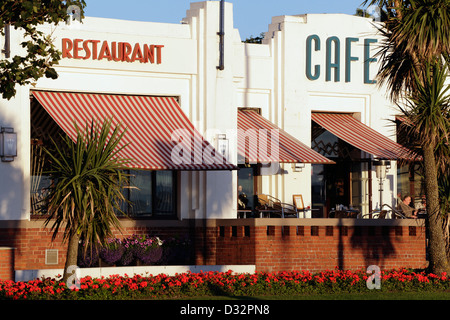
(30, 245)
(315, 248)
(31, 240)
(6, 263)
(265, 243)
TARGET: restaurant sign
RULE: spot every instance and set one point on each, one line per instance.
(111, 51)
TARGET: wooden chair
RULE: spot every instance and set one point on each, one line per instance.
(273, 206)
(266, 206)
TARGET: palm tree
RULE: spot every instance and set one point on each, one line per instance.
(428, 110)
(416, 39)
(87, 186)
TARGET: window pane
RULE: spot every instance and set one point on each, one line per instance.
(164, 193)
(246, 190)
(141, 192)
(402, 181)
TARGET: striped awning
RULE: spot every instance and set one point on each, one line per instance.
(158, 136)
(260, 141)
(362, 136)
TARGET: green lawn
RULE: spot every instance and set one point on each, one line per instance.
(373, 295)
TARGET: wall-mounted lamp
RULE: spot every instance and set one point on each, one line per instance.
(298, 167)
(8, 144)
(222, 144)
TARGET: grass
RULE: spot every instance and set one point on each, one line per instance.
(373, 295)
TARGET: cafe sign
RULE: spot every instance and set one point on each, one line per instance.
(332, 54)
(111, 51)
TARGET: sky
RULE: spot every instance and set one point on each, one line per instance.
(251, 17)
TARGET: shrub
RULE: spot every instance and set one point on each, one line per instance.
(87, 258)
(112, 251)
(148, 250)
(221, 283)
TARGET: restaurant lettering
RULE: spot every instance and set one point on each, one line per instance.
(111, 51)
(333, 58)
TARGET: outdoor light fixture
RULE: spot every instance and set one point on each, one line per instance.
(381, 168)
(298, 167)
(8, 144)
(222, 144)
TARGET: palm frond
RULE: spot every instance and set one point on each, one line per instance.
(88, 180)
(427, 110)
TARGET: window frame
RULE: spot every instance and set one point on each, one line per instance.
(154, 215)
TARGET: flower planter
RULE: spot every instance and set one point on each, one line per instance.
(104, 264)
(138, 251)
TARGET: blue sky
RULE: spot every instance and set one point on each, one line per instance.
(251, 17)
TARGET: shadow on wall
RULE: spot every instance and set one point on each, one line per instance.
(11, 191)
(375, 246)
(11, 209)
(219, 199)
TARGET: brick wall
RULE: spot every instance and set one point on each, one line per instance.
(315, 247)
(269, 244)
(6, 263)
(31, 240)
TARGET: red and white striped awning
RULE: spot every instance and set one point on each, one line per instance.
(362, 136)
(260, 141)
(158, 136)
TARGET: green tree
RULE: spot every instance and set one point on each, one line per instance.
(361, 13)
(86, 195)
(416, 39)
(257, 39)
(427, 109)
(40, 53)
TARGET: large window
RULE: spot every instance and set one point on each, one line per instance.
(409, 175)
(410, 182)
(151, 194)
(345, 183)
(247, 186)
(43, 129)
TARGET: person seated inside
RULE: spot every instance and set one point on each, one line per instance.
(242, 199)
(406, 209)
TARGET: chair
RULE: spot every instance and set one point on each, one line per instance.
(377, 214)
(273, 206)
(339, 214)
(396, 214)
(383, 213)
(286, 209)
(266, 205)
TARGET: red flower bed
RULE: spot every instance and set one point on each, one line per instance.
(221, 283)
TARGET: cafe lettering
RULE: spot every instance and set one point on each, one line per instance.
(111, 51)
(333, 58)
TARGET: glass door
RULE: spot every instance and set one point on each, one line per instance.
(360, 192)
(246, 187)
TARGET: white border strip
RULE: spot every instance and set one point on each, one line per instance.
(27, 275)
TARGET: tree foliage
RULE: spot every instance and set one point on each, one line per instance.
(40, 53)
(415, 32)
(86, 193)
(414, 55)
(257, 39)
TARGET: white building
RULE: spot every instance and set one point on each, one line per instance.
(306, 66)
